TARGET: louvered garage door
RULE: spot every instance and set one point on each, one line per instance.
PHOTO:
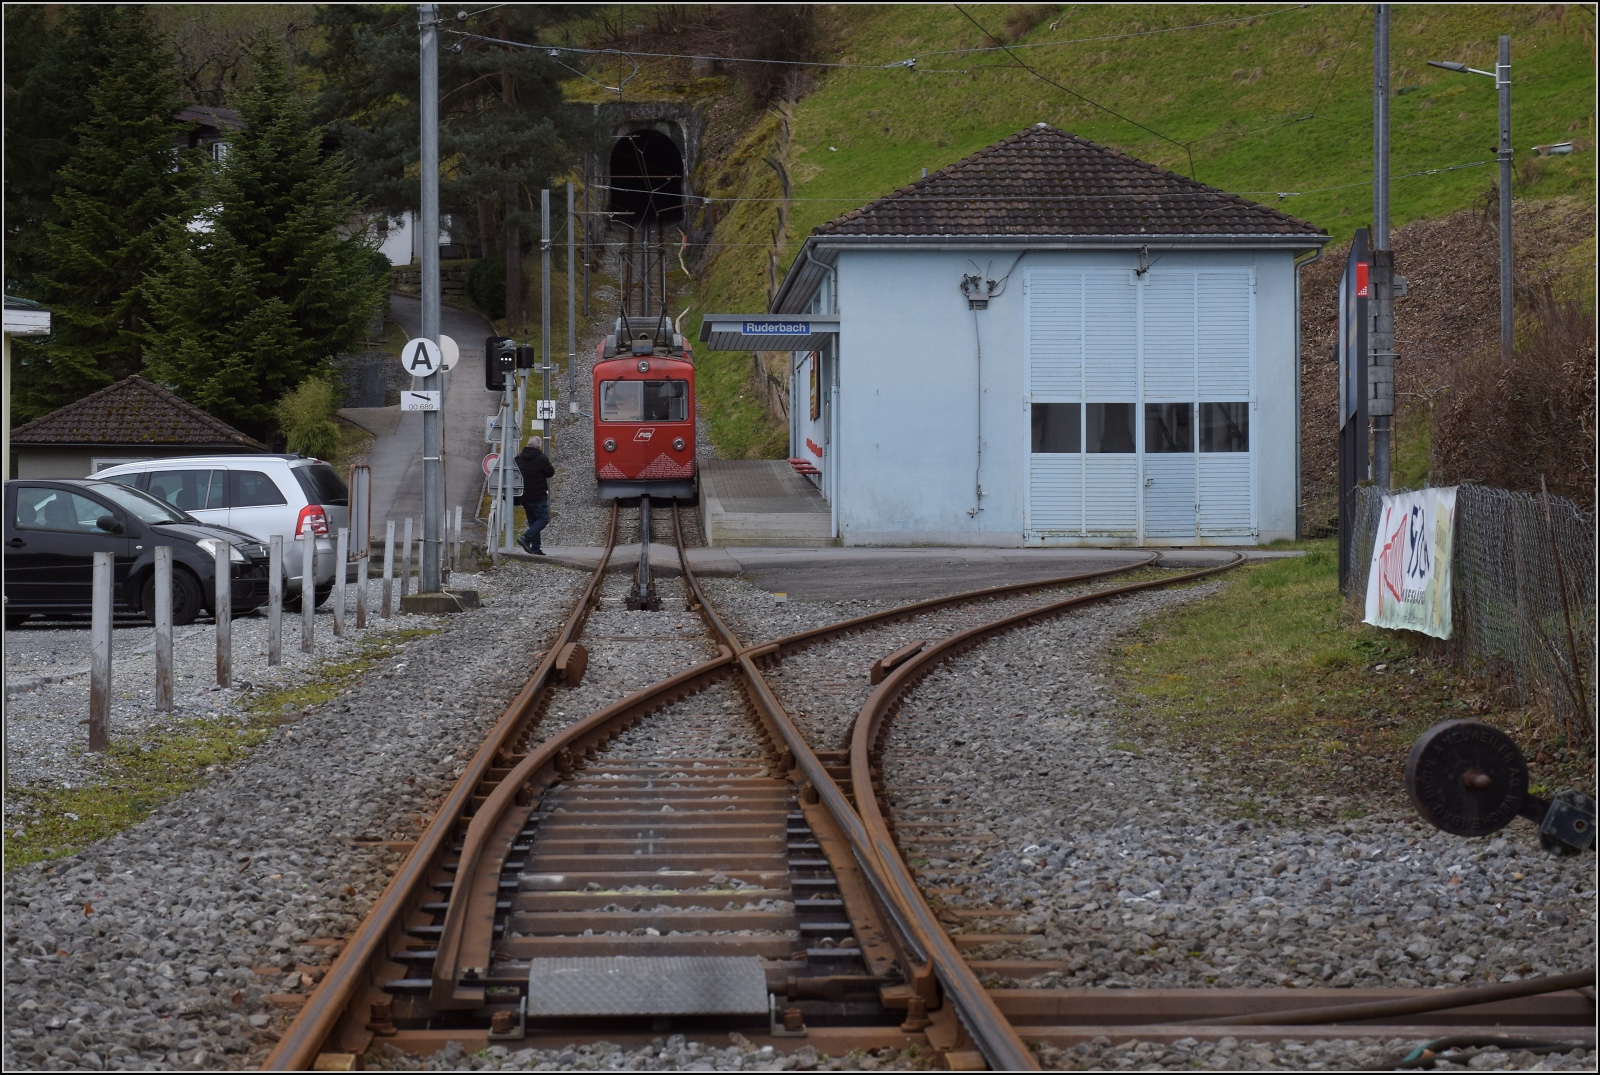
(1225, 337)
(1055, 382)
(1140, 398)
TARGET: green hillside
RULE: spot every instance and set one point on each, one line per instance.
(1237, 95)
(1274, 103)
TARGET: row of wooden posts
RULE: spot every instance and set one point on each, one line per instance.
(100, 624)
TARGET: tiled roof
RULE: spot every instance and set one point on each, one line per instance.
(1043, 181)
(133, 411)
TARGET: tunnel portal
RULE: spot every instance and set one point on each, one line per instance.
(647, 177)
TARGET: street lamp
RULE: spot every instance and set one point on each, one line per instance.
(1502, 80)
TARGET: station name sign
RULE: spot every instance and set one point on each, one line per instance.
(775, 328)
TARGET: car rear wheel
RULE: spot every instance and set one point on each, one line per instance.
(186, 598)
(321, 594)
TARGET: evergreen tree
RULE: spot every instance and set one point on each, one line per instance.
(120, 179)
(269, 284)
(505, 130)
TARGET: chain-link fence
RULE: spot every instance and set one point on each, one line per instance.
(1523, 583)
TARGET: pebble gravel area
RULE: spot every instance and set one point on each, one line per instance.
(47, 678)
(163, 946)
(1127, 875)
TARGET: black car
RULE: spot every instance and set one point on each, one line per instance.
(54, 528)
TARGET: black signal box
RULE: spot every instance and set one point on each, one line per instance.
(499, 359)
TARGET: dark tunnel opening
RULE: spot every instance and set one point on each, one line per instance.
(647, 178)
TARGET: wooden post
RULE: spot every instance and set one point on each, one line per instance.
(405, 562)
(342, 547)
(163, 628)
(100, 659)
(308, 590)
(224, 615)
(362, 566)
(275, 602)
(388, 570)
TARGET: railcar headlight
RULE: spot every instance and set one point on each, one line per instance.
(677, 444)
(609, 445)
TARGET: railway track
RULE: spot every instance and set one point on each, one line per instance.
(690, 856)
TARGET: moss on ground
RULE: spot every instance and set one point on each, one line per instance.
(1276, 674)
(138, 775)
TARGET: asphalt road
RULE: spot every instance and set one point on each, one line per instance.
(396, 457)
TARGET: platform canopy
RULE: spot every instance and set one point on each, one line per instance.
(767, 332)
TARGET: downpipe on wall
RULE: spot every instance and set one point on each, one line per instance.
(977, 292)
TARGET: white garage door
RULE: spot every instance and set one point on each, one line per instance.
(1139, 394)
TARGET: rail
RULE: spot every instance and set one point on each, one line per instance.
(989, 1029)
(335, 1003)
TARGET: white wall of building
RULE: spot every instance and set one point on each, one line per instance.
(904, 466)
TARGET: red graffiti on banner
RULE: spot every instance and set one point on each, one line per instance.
(1391, 561)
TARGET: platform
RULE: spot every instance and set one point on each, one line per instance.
(762, 502)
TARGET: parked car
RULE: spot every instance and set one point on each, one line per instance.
(54, 528)
(261, 495)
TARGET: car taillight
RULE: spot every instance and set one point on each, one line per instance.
(312, 518)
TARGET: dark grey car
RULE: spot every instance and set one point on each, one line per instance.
(54, 528)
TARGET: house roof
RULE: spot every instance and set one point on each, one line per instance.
(133, 412)
(223, 119)
(1046, 182)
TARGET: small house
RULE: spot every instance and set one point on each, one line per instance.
(1048, 343)
(125, 422)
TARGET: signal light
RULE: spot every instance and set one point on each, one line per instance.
(499, 359)
(526, 359)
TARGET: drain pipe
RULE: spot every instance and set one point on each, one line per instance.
(977, 471)
(1299, 263)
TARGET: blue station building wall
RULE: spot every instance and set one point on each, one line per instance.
(902, 461)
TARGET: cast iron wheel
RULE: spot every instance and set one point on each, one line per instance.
(186, 598)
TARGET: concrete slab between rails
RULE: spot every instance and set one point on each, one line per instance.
(842, 573)
(440, 603)
(707, 563)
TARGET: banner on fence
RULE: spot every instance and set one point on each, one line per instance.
(1408, 585)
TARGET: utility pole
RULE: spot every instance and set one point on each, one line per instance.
(1380, 367)
(432, 470)
(1502, 81)
(572, 303)
(546, 366)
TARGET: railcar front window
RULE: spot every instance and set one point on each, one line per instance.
(644, 401)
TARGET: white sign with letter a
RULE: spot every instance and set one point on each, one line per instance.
(422, 357)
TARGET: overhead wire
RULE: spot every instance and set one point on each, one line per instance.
(1067, 89)
(909, 62)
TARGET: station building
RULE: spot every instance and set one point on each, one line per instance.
(1046, 343)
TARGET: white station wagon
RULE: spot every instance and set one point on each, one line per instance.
(262, 495)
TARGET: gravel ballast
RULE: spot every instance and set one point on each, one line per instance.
(1129, 875)
(162, 947)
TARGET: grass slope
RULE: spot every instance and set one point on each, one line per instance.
(1280, 102)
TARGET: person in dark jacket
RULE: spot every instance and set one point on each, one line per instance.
(536, 470)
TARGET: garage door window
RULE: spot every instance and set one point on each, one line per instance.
(1224, 427)
(1110, 428)
(1168, 427)
(1057, 429)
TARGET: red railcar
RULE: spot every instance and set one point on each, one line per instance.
(644, 429)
